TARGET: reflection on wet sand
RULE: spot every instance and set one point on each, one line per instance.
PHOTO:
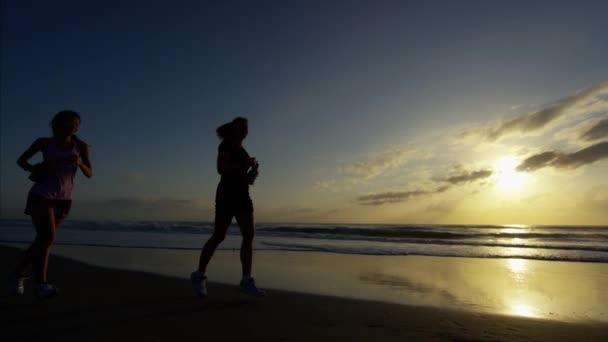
(524, 310)
(531, 288)
(517, 266)
(404, 284)
(519, 287)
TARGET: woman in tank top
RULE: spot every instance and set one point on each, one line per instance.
(50, 198)
(238, 171)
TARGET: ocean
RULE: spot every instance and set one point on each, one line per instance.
(559, 243)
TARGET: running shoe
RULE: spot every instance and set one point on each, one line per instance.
(17, 284)
(199, 283)
(45, 291)
(248, 286)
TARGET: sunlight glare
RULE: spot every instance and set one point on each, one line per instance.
(517, 265)
(506, 176)
(524, 310)
(518, 226)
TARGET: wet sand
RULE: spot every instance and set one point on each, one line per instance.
(102, 304)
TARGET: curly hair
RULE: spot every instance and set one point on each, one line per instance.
(227, 129)
(62, 117)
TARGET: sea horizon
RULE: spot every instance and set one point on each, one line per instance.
(582, 243)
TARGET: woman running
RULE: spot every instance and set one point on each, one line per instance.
(238, 170)
(50, 197)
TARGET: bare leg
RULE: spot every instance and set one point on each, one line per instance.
(245, 221)
(42, 220)
(26, 261)
(219, 234)
(38, 253)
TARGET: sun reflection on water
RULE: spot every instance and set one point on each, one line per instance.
(517, 241)
(520, 226)
(519, 301)
(514, 230)
(524, 310)
(517, 266)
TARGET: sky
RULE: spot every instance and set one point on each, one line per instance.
(414, 112)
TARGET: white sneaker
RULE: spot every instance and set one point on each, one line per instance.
(46, 291)
(248, 287)
(17, 284)
(199, 283)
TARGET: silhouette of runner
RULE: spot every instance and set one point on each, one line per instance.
(238, 170)
(50, 198)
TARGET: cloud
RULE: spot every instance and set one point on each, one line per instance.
(462, 177)
(561, 160)
(537, 161)
(324, 185)
(582, 132)
(395, 197)
(466, 177)
(377, 164)
(538, 119)
(598, 131)
(370, 167)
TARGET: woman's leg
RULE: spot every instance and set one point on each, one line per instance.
(247, 285)
(219, 234)
(46, 231)
(26, 261)
(245, 221)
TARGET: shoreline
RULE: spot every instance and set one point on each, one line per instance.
(225, 249)
(512, 287)
(102, 304)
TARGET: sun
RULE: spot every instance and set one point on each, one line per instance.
(506, 175)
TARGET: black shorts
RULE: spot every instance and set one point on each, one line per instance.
(228, 204)
(61, 207)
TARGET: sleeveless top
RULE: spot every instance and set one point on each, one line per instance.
(237, 183)
(57, 181)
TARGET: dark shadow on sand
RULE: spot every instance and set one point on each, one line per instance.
(129, 297)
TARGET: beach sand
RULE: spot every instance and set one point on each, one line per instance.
(102, 304)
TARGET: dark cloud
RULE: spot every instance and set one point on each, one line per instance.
(560, 160)
(526, 123)
(537, 161)
(400, 196)
(468, 176)
(389, 197)
(395, 197)
(540, 118)
(597, 132)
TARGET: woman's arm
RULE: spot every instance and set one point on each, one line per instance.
(252, 175)
(84, 162)
(36, 146)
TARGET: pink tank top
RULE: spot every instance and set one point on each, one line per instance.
(58, 181)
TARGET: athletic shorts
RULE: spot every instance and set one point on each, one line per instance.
(61, 207)
(228, 204)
